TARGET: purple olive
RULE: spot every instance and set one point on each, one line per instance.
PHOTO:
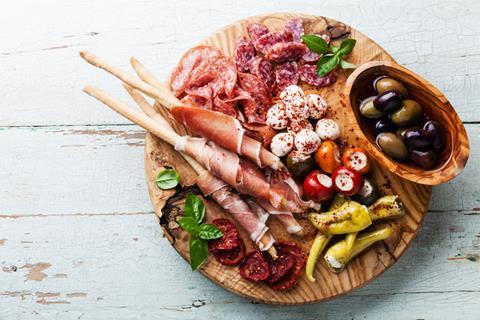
(385, 125)
(436, 130)
(424, 158)
(418, 138)
(388, 101)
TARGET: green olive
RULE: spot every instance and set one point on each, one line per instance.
(408, 114)
(368, 110)
(300, 164)
(392, 145)
(382, 84)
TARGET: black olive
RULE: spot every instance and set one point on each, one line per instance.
(418, 138)
(388, 101)
(368, 194)
(385, 125)
(300, 164)
(424, 158)
(436, 130)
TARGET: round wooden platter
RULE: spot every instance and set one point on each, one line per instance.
(168, 204)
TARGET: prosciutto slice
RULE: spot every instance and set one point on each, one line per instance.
(251, 219)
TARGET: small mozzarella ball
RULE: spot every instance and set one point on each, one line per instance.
(282, 144)
(307, 141)
(327, 129)
(290, 92)
(317, 106)
(296, 126)
(277, 116)
(297, 109)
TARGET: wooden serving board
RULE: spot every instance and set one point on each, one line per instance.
(362, 269)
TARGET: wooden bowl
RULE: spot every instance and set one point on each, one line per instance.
(454, 155)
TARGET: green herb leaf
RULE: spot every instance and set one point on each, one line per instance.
(347, 65)
(198, 252)
(194, 208)
(189, 224)
(327, 64)
(167, 179)
(315, 43)
(346, 47)
(209, 231)
(332, 48)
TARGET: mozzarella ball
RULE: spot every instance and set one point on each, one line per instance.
(307, 141)
(297, 109)
(281, 144)
(277, 116)
(317, 106)
(290, 92)
(327, 129)
(296, 126)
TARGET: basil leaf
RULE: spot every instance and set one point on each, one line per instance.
(347, 65)
(332, 48)
(198, 252)
(209, 231)
(315, 43)
(167, 179)
(346, 47)
(194, 208)
(189, 224)
(327, 64)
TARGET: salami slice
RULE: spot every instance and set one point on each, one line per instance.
(308, 74)
(244, 52)
(286, 74)
(263, 69)
(229, 240)
(291, 277)
(255, 110)
(280, 267)
(256, 30)
(231, 257)
(254, 267)
(295, 28)
(285, 51)
(265, 42)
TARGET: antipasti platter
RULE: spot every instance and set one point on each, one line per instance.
(289, 158)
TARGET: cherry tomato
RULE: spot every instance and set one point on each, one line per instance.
(318, 186)
(328, 156)
(347, 181)
(356, 159)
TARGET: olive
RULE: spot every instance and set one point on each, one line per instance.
(385, 125)
(368, 110)
(300, 164)
(424, 158)
(368, 194)
(408, 114)
(436, 130)
(388, 101)
(385, 83)
(418, 138)
(392, 145)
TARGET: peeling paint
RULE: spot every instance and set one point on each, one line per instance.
(60, 275)
(76, 295)
(2, 241)
(35, 271)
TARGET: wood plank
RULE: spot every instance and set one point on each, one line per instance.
(98, 267)
(443, 48)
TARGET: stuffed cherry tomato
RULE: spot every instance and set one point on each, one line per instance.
(318, 186)
(356, 159)
(328, 156)
(347, 181)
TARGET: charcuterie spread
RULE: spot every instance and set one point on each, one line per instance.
(268, 147)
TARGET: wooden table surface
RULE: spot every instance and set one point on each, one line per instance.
(78, 238)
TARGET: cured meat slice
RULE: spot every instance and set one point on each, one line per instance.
(255, 111)
(285, 51)
(230, 238)
(196, 57)
(280, 267)
(244, 52)
(266, 41)
(263, 69)
(231, 257)
(295, 28)
(256, 30)
(290, 278)
(286, 74)
(308, 74)
(254, 267)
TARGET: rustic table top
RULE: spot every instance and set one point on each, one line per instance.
(78, 238)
